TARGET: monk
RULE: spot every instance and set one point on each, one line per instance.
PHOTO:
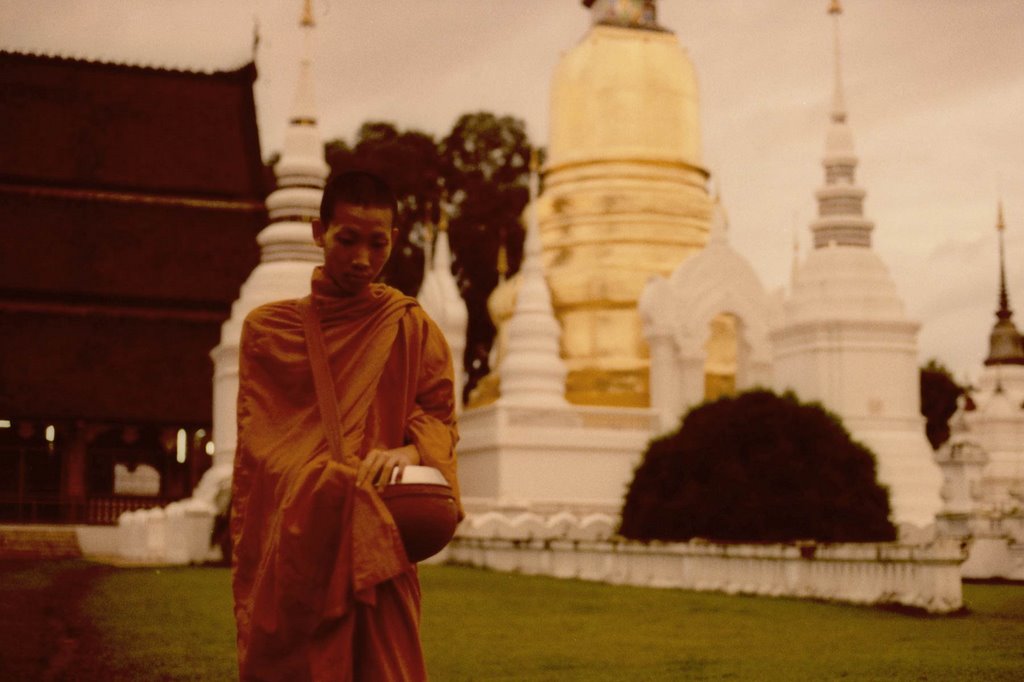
(323, 589)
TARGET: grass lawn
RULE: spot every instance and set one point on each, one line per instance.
(80, 621)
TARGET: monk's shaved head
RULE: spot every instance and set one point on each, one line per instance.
(356, 188)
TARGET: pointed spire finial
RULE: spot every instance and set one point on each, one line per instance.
(502, 260)
(838, 100)
(1004, 298)
(442, 218)
(255, 35)
(428, 238)
(532, 373)
(307, 20)
(719, 220)
(1006, 344)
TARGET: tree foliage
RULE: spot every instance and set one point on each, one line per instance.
(939, 394)
(480, 171)
(486, 173)
(757, 468)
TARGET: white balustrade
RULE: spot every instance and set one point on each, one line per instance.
(584, 547)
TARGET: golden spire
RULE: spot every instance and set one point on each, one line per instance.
(835, 7)
(307, 15)
(502, 261)
(1000, 224)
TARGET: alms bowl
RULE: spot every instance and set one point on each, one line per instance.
(424, 509)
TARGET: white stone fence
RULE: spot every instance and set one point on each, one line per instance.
(563, 545)
(177, 534)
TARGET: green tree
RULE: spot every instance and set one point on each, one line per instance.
(939, 394)
(486, 160)
(757, 468)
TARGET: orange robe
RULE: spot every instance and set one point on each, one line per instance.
(323, 589)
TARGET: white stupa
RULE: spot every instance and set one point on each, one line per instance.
(997, 418)
(287, 258)
(440, 298)
(983, 461)
(532, 371)
(845, 338)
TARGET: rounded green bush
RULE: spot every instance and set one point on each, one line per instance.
(757, 468)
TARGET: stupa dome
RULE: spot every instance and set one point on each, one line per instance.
(718, 267)
(625, 94)
(844, 282)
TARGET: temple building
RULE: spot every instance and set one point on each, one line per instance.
(129, 199)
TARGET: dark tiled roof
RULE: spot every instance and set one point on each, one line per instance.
(128, 128)
(130, 199)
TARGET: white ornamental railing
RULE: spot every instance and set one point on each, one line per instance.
(565, 545)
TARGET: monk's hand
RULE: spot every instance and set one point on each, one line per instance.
(378, 464)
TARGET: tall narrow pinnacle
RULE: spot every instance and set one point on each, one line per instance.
(1004, 312)
(533, 372)
(428, 240)
(301, 169)
(303, 105)
(307, 20)
(502, 264)
(531, 243)
(841, 220)
(838, 101)
(1006, 344)
(442, 251)
(439, 292)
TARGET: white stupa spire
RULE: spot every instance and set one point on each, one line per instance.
(841, 218)
(843, 301)
(838, 100)
(439, 296)
(1006, 344)
(287, 251)
(532, 372)
(301, 170)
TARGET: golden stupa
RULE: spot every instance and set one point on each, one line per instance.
(625, 197)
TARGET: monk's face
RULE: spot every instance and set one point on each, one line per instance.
(356, 244)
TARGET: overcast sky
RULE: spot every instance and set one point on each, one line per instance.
(934, 88)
